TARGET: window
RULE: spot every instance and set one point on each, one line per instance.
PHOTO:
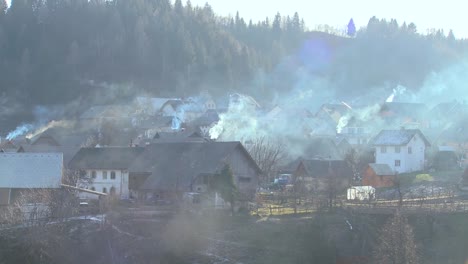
(112, 190)
(244, 179)
(410, 150)
(104, 175)
(104, 190)
(112, 175)
(93, 174)
(383, 149)
(93, 189)
(360, 130)
(397, 149)
(397, 163)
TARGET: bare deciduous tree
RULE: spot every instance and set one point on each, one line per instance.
(268, 154)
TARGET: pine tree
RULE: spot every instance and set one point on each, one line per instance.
(412, 28)
(277, 23)
(178, 8)
(451, 36)
(351, 28)
(296, 22)
(223, 183)
(188, 6)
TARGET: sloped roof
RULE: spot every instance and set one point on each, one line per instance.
(178, 136)
(321, 168)
(449, 109)
(321, 147)
(30, 170)
(381, 169)
(208, 118)
(399, 137)
(105, 158)
(8, 146)
(45, 139)
(333, 111)
(178, 164)
(106, 111)
(67, 151)
(155, 102)
(67, 136)
(156, 122)
(404, 109)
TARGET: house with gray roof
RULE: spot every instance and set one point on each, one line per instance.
(24, 172)
(105, 170)
(378, 176)
(403, 150)
(179, 167)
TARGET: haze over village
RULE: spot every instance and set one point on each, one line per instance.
(160, 132)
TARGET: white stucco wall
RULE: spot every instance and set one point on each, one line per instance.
(409, 162)
(120, 183)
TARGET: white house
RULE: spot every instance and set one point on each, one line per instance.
(403, 150)
(105, 170)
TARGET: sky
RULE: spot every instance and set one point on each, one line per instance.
(426, 14)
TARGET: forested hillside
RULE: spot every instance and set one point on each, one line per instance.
(53, 51)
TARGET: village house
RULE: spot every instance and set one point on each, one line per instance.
(115, 114)
(204, 123)
(378, 176)
(46, 143)
(410, 115)
(403, 150)
(446, 113)
(23, 173)
(184, 135)
(153, 106)
(176, 168)
(105, 170)
(8, 146)
(319, 175)
(332, 113)
(356, 132)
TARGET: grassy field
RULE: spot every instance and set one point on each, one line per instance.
(452, 176)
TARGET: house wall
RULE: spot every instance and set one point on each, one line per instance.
(370, 178)
(168, 110)
(409, 162)
(120, 183)
(205, 130)
(321, 183)
(245, 175)
(210, 105)
(4, 196)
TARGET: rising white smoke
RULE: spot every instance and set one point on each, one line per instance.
(398, 91)
(19, 131)
(51, 124)
(240, 122)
